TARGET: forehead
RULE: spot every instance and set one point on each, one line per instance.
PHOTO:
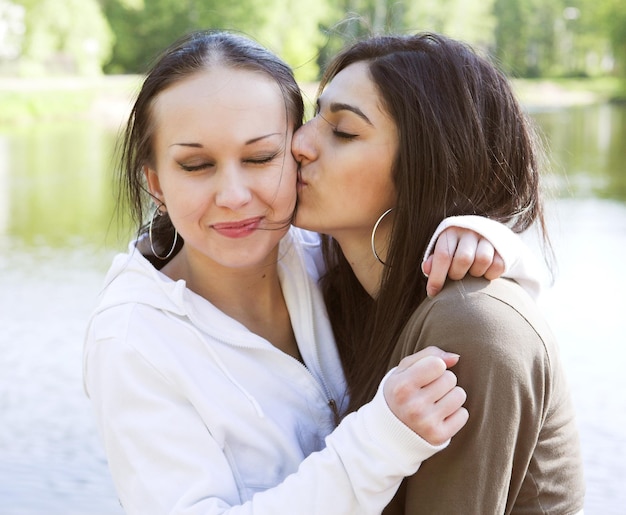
(221, 98)
(353, 85)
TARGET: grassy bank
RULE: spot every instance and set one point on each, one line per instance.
(107, 99)
(538, 93)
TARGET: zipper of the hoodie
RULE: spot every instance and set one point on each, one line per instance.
(332, 403)
(333, 407)
(321, 385)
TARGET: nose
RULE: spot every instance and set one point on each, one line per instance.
(303, 144)
(233, 191)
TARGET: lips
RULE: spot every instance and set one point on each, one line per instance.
(301, 181)
(238, 229)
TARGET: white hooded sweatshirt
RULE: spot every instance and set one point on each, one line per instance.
(198, 414)
(201, 416)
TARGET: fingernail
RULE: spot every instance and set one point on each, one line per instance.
(453, 354)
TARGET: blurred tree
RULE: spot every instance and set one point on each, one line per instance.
(145, 28)
(527, 37)
(612, 14)
(541, 54)
(64, 36)
(11, 29)
(142, 29)
(347, 20)
(472, 21)
(291, 28)
(582, 38)
(469, 20)
(560, 37)
(512, 34)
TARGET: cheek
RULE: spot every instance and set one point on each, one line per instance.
(372, 188)
(186, 199)
(280, 192)
(190, 209)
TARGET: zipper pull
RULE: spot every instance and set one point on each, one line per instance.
(333, 406)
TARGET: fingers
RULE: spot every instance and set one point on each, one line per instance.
(496, 269)
(452, 399)
(466, 255)
(425, 396)
(427, 265)
(441, 260)
(453, 424)
(449, 358)
(417, 373)
(483, 257)
(445, 419)
(459, 252)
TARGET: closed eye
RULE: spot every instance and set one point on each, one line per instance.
(343, 135)
(336, 132)
(195, 168)
(263, 159)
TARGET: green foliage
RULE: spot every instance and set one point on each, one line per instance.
(471, 21)
(613, 15)
(65, 36)
(17, 106)
(143, 29)
(297, 43)
(530, 38)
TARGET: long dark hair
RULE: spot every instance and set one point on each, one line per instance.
(465, 147)
(187, 56)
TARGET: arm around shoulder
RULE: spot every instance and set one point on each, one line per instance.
(520, 264)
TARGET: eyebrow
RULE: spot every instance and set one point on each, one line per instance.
(335, 107)
(249, 142)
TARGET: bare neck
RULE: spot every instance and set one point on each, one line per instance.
(252, 296)
(366, 267)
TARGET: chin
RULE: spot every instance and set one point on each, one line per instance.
(308, 216)
(301, 221)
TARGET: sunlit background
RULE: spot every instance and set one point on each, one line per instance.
(68, 72)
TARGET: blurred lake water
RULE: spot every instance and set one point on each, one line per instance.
(57, 239)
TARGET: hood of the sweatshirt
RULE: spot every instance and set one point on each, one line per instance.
(133, 279)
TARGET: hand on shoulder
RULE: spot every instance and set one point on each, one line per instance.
(424, 395)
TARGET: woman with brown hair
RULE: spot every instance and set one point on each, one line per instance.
(410, 130)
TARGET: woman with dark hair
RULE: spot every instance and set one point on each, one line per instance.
(410, 130)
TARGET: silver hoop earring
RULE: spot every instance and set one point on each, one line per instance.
(157, 212)
(374, 235)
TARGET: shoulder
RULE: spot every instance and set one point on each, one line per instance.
(121, 320)
(482, 301)
(132, 329)
(487, 317)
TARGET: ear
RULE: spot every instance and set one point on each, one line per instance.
(152, 180)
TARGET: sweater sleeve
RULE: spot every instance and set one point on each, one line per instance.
(505, 371)
(163, 460)
(520, 264)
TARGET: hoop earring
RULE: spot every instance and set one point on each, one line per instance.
(374, 235)
(157, 212)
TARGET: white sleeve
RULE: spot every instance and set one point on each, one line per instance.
(358, 472)
(520, 264)
(163, 460)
